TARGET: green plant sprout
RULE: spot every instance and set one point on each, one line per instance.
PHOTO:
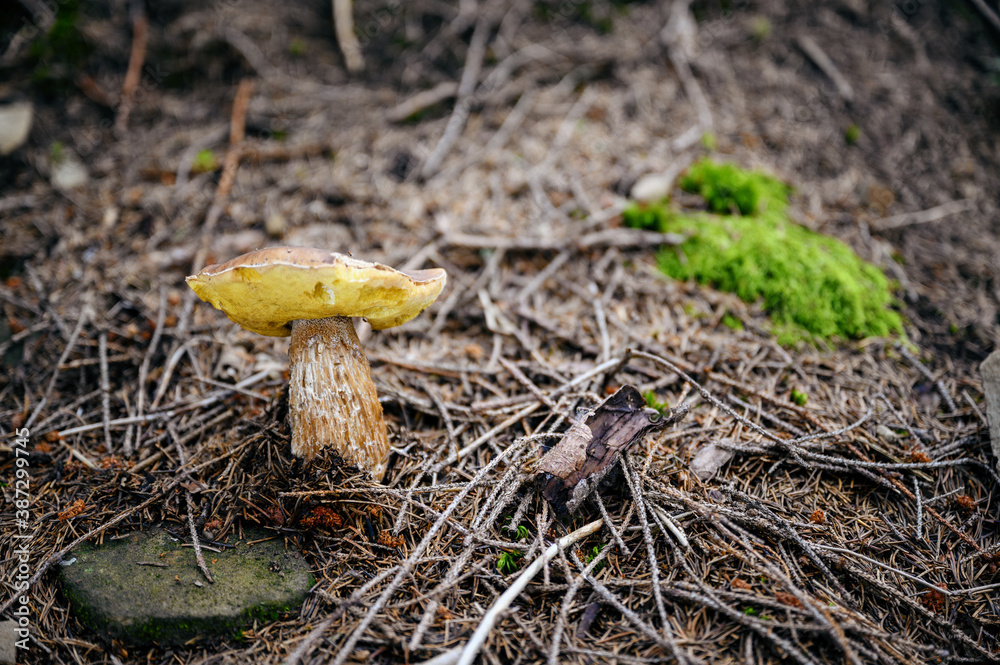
(799, 397)
(731, 321)
(507, 561)
(523, 533)
(760, 28)
(57, 151)
(813, 287)
(204, 162)
(653, 403)
(297, 47)
(593, 555)
(852, 134)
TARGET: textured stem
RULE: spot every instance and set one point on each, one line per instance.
(331, 396)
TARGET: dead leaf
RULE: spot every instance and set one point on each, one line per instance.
(709, 460)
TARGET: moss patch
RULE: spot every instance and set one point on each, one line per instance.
(729, 189)
(145, 588)
(813, 286)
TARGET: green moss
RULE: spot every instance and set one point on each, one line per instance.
(593, 555)
(813, 286)
(652, 216)
(729, 189)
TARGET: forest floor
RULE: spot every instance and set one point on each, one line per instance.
(855, 525)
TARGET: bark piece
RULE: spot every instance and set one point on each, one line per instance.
(569, 472)
(990, 369)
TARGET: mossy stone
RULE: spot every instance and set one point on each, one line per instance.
(113, 589)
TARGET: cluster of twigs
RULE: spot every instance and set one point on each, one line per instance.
(850, 528)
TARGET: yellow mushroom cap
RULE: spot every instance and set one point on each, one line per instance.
(264, 291)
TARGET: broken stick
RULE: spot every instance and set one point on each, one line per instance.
(590, 448)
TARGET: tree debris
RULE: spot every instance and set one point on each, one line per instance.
(588, 451)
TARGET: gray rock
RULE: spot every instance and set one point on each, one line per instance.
(652, 187)
(15, 124)
(68, 173)
(113, 590)
(8, 642)
(990, 369)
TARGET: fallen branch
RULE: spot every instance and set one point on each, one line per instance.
(343, 26)
(677, 36)
(422, 100)
(189, 500)
(470, 76)
(147, 360)
(622, 237)
(825, 64)
(990, 15)
(923, 216)
(140, 28)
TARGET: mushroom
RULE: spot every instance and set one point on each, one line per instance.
(311, 294)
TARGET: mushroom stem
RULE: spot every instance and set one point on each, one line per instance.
(331, 396)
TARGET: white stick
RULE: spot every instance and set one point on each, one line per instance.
(504, 601)
(343, 26)
(923, 216)
(823, 61)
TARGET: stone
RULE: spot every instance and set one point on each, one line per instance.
(990, 369)
(652, 187)
(69, 173)
(15, 124)
(8, 642)
(148, 588)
